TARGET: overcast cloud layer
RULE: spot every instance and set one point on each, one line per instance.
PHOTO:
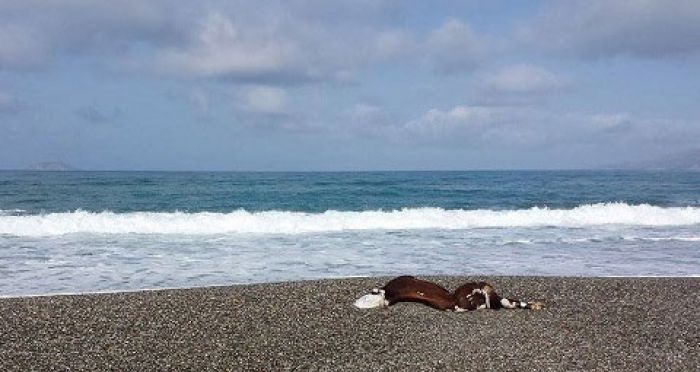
(318, 85)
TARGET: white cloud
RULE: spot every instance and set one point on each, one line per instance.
(365, 111)
(393, 43)
(529, 128)
(522, 78)
(221, 48)
(597, 28)
(439, 124)
(280, 50)
(264, 100)
(610, 121)
(476, 125)
(273, 43)
(365, 120)
(453, 47)
(517, 85)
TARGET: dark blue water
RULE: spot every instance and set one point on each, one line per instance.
(41, 192)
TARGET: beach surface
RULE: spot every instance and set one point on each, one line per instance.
(589, 324)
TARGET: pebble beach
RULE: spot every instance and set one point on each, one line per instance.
(588, 324)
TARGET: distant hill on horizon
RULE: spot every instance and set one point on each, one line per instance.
(51, 166)
(688, 161)
(685, 161)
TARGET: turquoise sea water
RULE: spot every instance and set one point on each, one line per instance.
(97, 231)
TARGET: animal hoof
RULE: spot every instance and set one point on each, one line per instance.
(536, 305)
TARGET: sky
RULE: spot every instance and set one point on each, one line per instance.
(313, 85)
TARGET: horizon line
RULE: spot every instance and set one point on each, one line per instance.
(347, 170)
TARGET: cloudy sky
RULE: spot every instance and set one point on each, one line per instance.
(347, 85)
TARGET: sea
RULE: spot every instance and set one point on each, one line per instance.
(80, 232)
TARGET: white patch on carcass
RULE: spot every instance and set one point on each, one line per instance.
(507, 304)
(372, 300)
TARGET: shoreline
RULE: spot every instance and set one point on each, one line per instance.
(592, 323)
(301, 281)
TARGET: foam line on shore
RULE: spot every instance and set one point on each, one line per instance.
(237, 284)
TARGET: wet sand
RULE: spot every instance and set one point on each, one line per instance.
(589, 324)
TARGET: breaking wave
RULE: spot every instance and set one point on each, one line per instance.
(286, 222)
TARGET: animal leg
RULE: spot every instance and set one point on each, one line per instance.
(517, 304)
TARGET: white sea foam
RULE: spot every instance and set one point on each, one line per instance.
(285, 222)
